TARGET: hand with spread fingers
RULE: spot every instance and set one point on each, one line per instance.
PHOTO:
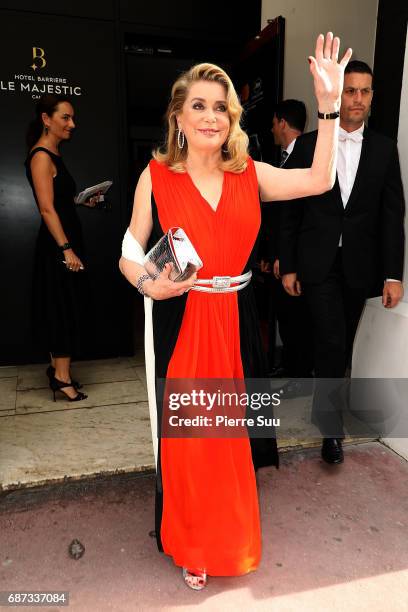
(328, 72)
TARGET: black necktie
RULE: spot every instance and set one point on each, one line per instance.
(283, 157)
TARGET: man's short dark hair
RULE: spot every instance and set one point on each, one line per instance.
(293, 112)
(357, 66)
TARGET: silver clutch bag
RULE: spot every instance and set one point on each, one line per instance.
(174, 247)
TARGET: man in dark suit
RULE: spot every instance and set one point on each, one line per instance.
(288, 123)
(346, 245)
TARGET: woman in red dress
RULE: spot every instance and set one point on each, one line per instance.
(204, 182)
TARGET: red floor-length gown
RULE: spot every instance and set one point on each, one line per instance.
(207, 504)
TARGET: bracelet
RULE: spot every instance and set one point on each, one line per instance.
(66, 246)
(335, 115)
(139, 284)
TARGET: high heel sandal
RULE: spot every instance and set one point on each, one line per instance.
(60, 385)
(196, 580)
(50, 372)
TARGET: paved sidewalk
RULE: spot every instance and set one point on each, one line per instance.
(334, 538)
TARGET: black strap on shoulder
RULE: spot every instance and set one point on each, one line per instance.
(34, 151)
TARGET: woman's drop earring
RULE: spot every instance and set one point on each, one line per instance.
(45, 130)
(180, 139)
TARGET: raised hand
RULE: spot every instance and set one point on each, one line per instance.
(328, 73)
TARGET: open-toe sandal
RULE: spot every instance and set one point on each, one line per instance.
(196, 579)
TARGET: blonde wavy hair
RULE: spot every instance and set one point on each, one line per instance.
(234, 151)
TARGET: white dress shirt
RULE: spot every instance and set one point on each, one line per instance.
(289, 148)
(348, 158)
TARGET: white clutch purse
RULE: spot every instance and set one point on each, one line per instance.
(174, 247)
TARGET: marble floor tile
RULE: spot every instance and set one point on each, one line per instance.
(103, 370)
(138, 358)
(141, 373)
(46, 447)
(103, 394)
(32, 376)
(8, 371)
(297, 430)
(8, 393)
(4, 413)
(42, 441)
(295, 422)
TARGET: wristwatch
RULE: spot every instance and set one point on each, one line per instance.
(335, 115)
(66, 246)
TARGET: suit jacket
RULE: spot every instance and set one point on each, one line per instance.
(371, 224)
(271, 212)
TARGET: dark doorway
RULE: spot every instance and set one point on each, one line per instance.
(153, 63)
(258, 76)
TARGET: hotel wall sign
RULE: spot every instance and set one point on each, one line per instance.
(36, 82)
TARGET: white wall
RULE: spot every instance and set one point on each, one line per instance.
(354, 21)
(400, 445)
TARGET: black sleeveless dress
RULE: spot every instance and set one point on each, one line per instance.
(58, 294)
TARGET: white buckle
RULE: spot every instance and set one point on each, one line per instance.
(221, 282)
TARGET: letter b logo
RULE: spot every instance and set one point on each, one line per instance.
(39, 58)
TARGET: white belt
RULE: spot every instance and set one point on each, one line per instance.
(222, 284)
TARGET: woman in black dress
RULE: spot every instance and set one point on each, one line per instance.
(59, 267)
